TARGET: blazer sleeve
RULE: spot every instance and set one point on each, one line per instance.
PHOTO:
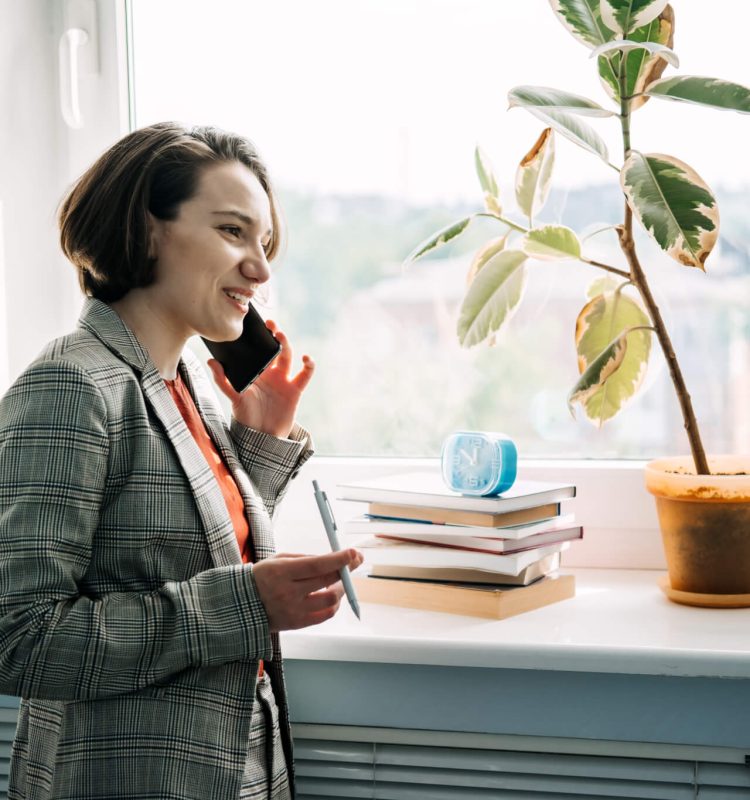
(56, 643)
(271, 462)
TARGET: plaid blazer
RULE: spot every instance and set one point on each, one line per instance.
(129, 625)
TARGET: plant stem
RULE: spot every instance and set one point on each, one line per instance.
(638, 277)
(614, 270)
(621, 272)
(504, 220)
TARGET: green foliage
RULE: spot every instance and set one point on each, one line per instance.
(594, 379)
(492, 296)
(487, 181)
(703, 91)
(608, 323)
(551, 242)
(624, 16)
(439, 239)
(641, 67)
(631, 42)
(484, 254)
(553, 99)
(600, 286)
(534, 173)
(673, 204)
(628, 45)
(583, 20)
(568, 125)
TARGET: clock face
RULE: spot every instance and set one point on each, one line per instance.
(480, 463)
(473, 463)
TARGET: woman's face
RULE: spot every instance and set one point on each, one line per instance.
(211, 258)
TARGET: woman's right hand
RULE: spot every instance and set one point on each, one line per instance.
(298, 591)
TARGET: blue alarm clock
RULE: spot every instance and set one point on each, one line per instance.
(479, 462)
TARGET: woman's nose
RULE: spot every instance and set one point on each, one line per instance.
(255, 267)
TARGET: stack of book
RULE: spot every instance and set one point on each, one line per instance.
(428, 547)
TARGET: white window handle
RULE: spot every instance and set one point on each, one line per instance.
(69, 68)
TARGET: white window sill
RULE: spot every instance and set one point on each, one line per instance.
(618, 622)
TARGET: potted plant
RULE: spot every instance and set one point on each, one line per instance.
(703, 502)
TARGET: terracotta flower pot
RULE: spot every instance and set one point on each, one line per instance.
(705, 523)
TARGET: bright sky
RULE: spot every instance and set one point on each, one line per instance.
(391, 96)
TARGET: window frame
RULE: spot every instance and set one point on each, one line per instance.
(619, 518)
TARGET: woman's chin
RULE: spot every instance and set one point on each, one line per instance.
(225, 333)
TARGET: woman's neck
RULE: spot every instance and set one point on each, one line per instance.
(153, 329)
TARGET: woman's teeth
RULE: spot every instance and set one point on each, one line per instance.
(240, 298)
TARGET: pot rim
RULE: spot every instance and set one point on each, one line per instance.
(675, 477)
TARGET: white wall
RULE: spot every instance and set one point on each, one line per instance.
(31, 180)
(39, 158)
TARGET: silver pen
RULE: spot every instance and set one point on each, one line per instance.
(330, 525)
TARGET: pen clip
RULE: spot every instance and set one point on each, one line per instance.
(330, 511)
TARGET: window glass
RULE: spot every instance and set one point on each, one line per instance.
(368, 113)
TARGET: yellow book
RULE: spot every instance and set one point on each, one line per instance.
(448, 516)
(491, 602)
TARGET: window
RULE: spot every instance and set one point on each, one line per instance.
(368, 113)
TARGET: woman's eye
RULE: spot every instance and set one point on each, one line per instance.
(232, 230)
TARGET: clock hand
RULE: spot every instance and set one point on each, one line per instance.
(470, 459)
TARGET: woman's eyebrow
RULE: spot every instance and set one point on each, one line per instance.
(232, 212)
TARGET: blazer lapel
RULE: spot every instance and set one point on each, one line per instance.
(260, 529)
(220, 534)
(112, 331)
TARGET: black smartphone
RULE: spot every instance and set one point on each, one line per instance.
(245, 358)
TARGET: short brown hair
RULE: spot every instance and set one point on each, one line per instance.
(104, 228)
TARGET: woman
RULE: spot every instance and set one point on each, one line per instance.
(139, 600)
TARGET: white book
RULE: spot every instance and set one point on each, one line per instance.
(487, 544)
(384, 551)
(428, 489)
(527, 575)
(383, 526)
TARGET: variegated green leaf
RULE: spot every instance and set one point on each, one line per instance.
(485, 172)
(602, 321)
(674, 205)
(484, 254)
(624, 16)
(492, 297)
(702, 91)
(597, 374)
(487, 181)
(534, 173)
(641, 68)
(555, 100)
(551, 242)
(439, 239)
(626, 45)
(582, 19)
(601, 286)
(572, 128)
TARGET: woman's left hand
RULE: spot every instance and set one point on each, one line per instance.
(270, 403)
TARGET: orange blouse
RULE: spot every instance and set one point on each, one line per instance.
(227, 484)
